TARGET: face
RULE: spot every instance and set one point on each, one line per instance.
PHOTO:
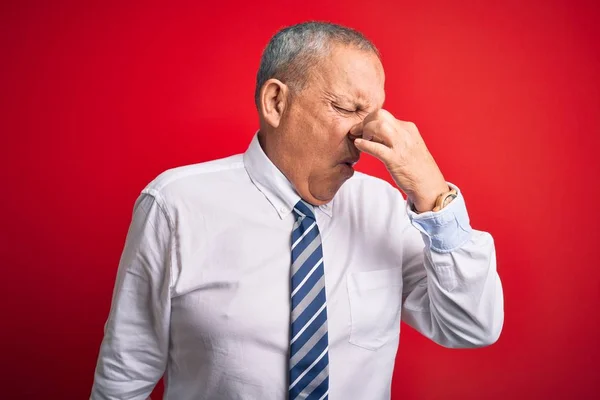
(311, 144)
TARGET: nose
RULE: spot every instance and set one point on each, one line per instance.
(354, 151)
(355, 131)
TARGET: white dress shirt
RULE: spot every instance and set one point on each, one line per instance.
(203, 287)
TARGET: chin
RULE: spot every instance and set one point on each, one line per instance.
(325, 195)
(323, 190)
(347, 170)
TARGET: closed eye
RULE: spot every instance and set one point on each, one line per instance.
(343, 110)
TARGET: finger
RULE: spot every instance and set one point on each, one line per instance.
(377, 150)
(357, 130)
(379, 131)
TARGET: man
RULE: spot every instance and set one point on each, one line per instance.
(282, 273)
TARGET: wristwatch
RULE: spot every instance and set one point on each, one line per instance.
(444, 199)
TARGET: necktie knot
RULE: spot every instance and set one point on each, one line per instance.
(303, 209)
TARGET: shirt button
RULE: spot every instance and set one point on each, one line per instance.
(284, 209)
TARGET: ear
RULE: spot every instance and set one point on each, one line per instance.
(273, 100)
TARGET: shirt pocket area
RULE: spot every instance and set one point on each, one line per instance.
(375, 306)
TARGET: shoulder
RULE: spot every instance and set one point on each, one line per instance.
(195, 173)
(194, 181)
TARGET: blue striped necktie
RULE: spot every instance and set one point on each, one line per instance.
(309, 359)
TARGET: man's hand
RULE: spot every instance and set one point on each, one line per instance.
(401, 148)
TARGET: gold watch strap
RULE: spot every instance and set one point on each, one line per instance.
(444, 199)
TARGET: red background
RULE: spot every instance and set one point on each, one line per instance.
(98, 98)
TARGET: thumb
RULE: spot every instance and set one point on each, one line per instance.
(356, 130)
(377, 150)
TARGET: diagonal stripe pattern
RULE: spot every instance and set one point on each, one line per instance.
(309, 344)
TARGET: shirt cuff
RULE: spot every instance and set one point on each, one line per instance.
(446, 230)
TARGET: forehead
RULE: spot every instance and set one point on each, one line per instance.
(354, 76)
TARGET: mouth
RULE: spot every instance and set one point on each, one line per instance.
(350, 161)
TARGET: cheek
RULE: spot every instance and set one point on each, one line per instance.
(339, 128)
(333, 140)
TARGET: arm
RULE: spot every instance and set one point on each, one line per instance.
(452, 293)
(133, 354)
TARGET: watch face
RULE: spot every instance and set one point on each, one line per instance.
(448, 199)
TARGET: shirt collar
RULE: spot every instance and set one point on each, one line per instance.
(272, 183)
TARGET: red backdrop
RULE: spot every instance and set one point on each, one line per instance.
(98, 98)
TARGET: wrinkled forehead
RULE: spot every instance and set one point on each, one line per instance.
(353, 76)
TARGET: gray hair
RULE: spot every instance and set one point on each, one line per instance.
(294, 50)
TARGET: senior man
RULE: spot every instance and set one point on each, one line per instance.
(281, 273)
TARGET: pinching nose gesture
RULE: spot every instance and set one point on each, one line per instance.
(399, 145)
